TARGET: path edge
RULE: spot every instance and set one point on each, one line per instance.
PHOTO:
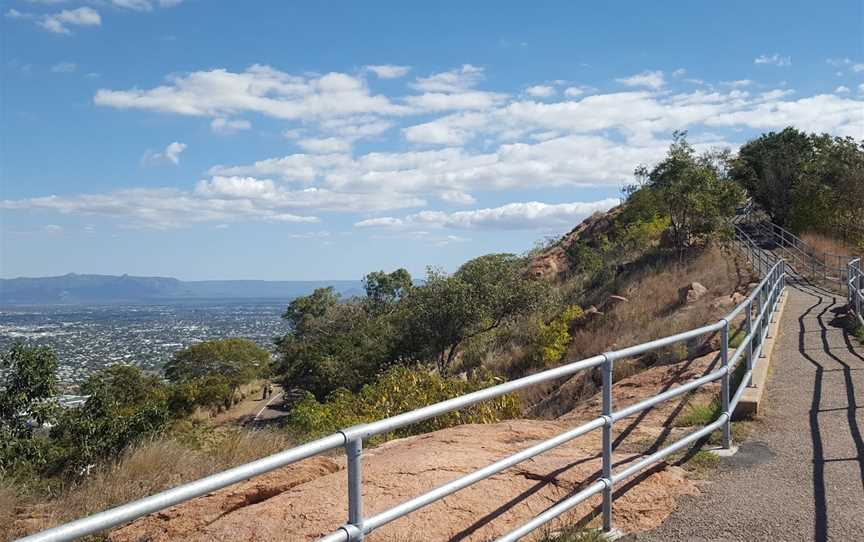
(748, 407)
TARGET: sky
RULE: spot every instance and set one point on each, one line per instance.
(323, 140)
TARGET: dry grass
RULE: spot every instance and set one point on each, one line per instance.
(824, 244)
(145, 469)
(653, 309)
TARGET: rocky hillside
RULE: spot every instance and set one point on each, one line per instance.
(553, 262)
(308, 500)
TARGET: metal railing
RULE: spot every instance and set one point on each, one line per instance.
(751, 316)
(855, 288)
(815, 263)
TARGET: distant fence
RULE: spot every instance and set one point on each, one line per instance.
(753, 315)
(805, 259)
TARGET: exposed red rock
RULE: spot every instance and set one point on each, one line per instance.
(308, 500)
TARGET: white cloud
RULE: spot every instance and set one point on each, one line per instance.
(452, 90)
(383, 222)
(858, 68)
(64, 67)
(170, 154)
(53, 229)
(860, 91)
(15, 14)
(738, 83)
(838, 62)
(572, 92)
(457, 80)
(439, 101)
(60, 22)
(228, 126)
(457, 197)
(134, 5)
(259, 89)
(774, 59)
(532, 215)
(161, 208)
(169, 3)
(509, 142)
(541, 91)
(573, 160)
(388, 71)
(841, 89)
(325, 145)
(651, 79)
(680, 72)
(821, 113)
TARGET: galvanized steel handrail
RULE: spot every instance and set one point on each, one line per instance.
(816, 261)
(757, 309)
(855, 288)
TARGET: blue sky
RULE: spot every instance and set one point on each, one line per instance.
(323, 140)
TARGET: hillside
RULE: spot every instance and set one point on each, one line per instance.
(74, 288)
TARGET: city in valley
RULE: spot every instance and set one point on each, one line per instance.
(87, 338)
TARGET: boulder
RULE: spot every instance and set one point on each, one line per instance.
(592, 312)
(691, 293)
(616, 299)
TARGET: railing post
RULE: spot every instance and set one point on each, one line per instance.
(750, 342)
(607, 444)
(354, 453)
(725, 384)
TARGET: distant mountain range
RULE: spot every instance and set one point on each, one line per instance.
(75, 289)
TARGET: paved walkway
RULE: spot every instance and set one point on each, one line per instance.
(800, 475)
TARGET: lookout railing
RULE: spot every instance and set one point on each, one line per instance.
(855, 288)
(753, 315)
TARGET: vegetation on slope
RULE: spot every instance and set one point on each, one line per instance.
(806, 182)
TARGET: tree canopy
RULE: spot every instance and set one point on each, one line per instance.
(237, 360)
(805, 181)
(694, 190)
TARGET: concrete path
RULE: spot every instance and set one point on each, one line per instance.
(800, 475)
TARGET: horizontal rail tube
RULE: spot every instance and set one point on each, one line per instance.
(672, 448)
(665, 341)
(460, 483)
(553, 512)
(142, 507)
(401, 420)
(669, 394)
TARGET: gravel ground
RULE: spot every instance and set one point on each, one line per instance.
(800, 475)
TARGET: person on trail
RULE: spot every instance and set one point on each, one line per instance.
(266, 390)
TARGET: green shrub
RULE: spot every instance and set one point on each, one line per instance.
(555, 336)
(699, 414)
(584, 259)
(398, 390)
(645, 233)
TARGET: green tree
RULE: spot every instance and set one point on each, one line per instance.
(237, 360)
(102, 428)
(439, 316)
(806, 181)
(304, 312)
(128, 386)
(695, 191)
(384, 290)
(25, 401)
(30, 383)
(772, 168)
(344, 346)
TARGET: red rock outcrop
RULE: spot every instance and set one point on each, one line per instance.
(307, 500)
